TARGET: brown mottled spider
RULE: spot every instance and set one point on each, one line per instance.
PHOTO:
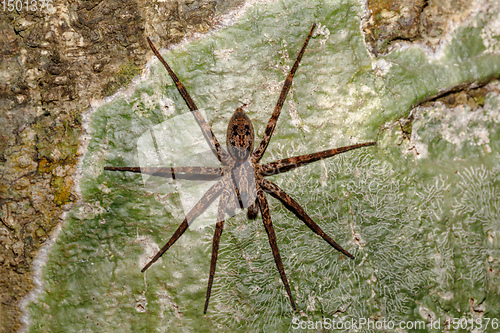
(240, 180)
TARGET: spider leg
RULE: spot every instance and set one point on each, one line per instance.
(218, 151)
(295, 208)
(236, 190)
(291, 163)
(257, 154)
(215, 245)
(266, 217)
(189, 173)
(196, 211)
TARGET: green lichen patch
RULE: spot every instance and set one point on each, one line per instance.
(125, 74)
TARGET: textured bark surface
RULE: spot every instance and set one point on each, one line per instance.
(425, 21)
(52, 65)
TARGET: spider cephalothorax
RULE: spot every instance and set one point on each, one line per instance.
(240, 182)
(240, 136)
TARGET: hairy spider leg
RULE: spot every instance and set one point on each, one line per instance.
(259, 152)
(209, 135)
(236, 190)
(189, 173)
(268, 224)
(287, 164)
(219, 227)
(295, 208)
(198, 209)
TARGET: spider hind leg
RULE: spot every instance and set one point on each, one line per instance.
(266, 217)
(219, 227)
(198, 209)
(215, 250)
(295, 208)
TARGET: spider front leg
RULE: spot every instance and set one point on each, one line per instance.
(266, 217)
(295, 208)
(198, 209)
(221, 154)
(257, 154)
